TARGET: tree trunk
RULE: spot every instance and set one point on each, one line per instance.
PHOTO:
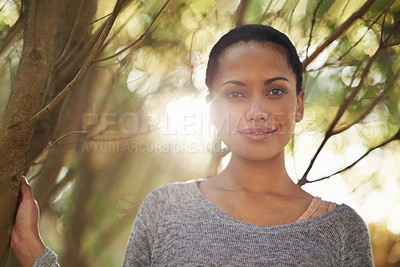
(73, 34)
(66, 116)
(25, 100)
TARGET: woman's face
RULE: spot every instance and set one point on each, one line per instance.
(255, 105)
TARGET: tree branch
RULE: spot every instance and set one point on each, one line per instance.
(50, 146)
(122, 25)
(370, 108)
(361, 38)
(384, 18)
(89, 60)
(348, 101)
(11, 36)
(265, 15)
(393, 44)
(138, 39)
(312, 26)
(395, 28)
(240, 12)
(85, 24)
(336, 34)
(69, 40)
(292, 12)
(343, 107)
(395, 137)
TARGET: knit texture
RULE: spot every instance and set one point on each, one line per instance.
(46, 259)
(178, 226)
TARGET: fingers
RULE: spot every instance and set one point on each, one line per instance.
(26, 190)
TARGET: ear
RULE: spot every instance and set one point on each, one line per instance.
(300, 106)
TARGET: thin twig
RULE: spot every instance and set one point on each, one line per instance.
(336, 34)
(384, 18)
(312, 26)
(370, 108)
(291, 13)
(264, 16)
(369, 179)
(11, 36)
(68, 43)
(116, 32)
(2, 7)
(50, 146)
(344, 8)
(85, 24)
(393, 44)
(83, 69)
(138, 39)
(395, 28)
(241, 11)
(343, 107)
(107, 94)
(361, 38)
(126, 137)
(395, 137)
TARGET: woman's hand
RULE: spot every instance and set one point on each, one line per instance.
(25, 238)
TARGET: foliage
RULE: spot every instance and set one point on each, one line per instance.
(99, 149)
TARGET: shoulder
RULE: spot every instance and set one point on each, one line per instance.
(344, 221)
(353, 229)
(356, 248)
(349, 218)
(170, 193)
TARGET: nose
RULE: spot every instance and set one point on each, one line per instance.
(256, 111)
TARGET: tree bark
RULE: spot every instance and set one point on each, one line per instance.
(66, 116)
(40, 19)
(70, 40)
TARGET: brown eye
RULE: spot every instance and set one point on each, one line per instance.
(276, 92)
(234, 95)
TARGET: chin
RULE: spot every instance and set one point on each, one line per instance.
(257, 155)
(262, 151)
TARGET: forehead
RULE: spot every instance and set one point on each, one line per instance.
(254, 45)
(253, 48)
(255, 57)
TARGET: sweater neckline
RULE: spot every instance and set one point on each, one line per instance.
(329, 217)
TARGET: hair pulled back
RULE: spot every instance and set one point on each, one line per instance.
(259, 34)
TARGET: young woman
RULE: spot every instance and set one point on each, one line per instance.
(250, 214)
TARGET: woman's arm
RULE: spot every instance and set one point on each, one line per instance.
(139, 249)
(357, 249)
(25, 238)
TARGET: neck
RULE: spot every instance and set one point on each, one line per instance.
(258, 176)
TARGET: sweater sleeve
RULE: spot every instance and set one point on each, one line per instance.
(46, 259)
(357, 250)
(139, 248)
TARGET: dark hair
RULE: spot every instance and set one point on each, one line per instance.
(259, 34)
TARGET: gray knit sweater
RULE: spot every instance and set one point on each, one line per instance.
(178, 226)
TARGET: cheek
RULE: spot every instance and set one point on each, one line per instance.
(285, 121)
(228, 122)
(284, 113)
(226, 119)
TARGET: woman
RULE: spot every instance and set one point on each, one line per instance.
(250, 214)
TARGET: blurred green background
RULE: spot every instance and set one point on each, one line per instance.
(138, 119)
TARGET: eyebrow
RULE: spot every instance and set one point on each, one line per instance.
(269, 81)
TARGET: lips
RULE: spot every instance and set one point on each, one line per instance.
(257, 134)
